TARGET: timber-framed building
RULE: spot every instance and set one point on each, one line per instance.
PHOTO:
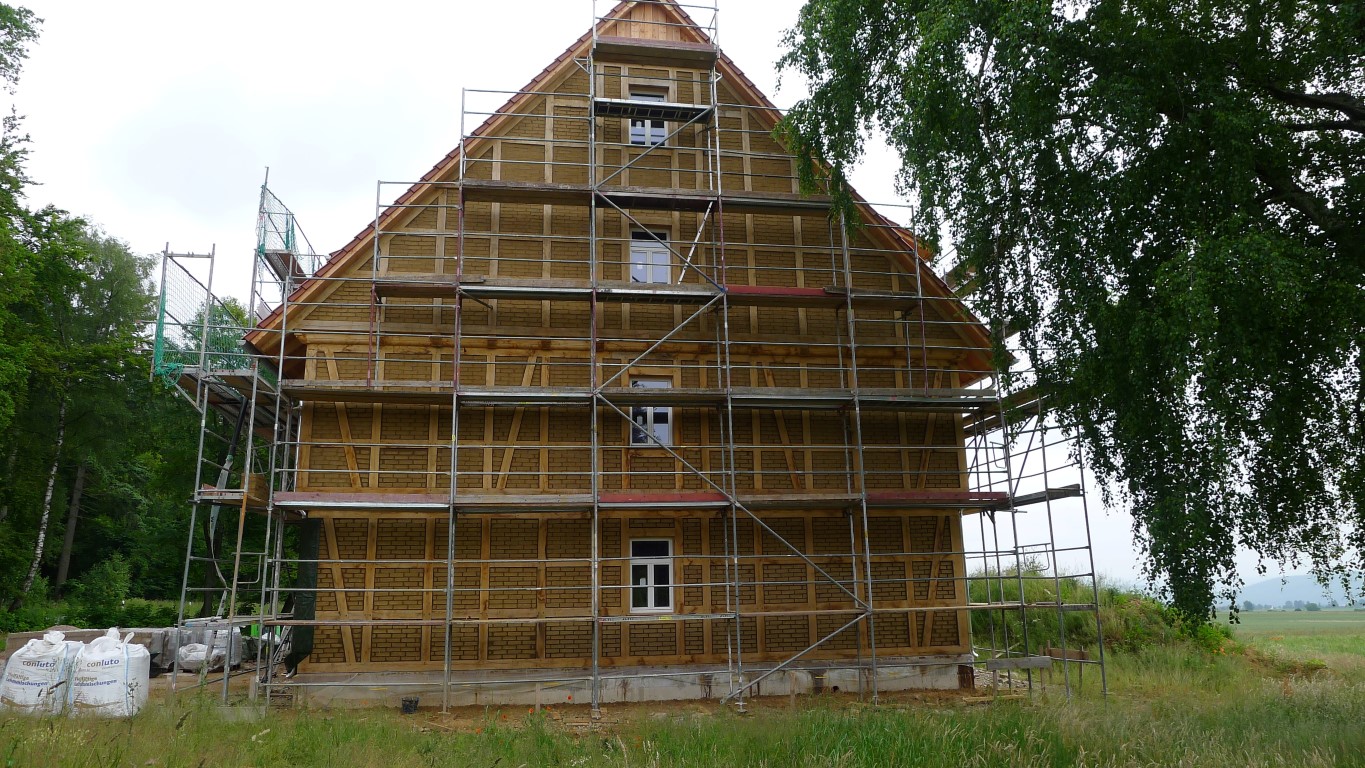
(605, 401)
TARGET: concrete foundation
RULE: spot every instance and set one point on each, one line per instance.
(553, 687)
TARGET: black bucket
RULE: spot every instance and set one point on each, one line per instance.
(409, 705)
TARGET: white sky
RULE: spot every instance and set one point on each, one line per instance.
(157, 118)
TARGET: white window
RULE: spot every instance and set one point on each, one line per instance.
(651, 576)
(651, 419)
(647, 132)
(650, 260)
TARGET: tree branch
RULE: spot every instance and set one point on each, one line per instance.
(1286, 190)
(1344, 103)
(1328, 125)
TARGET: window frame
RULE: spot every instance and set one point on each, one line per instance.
(652, 133)
(650, 252)
(651, 587)
(651, 413)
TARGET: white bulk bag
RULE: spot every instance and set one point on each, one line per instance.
(193, 657)
(111, 677)
(37, 675)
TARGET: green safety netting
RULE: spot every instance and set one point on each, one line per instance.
(195, 329)
(202, 332)
(278, 232)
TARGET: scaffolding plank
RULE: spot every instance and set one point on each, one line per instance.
(663, 53)
(397, 286)
(786, 398)
(324, 500)
(640, 198)
(228, 392)
(798, 500)
(1017, 408)
(662, 396)
(893, 399)
(229, 497)
(429, 286)
(650, 110)
(628, 500)
(934, 498)
(647, 293)
(361, 391)
(522, 396)
(1038, 497)
(662, 499)
(557, 502)
(669, 199)
(790, 296)
(529, 192)
(284, 264)
(579, 290)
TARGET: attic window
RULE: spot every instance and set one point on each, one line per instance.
(647, 132)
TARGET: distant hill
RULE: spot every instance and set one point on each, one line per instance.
(1274, 592)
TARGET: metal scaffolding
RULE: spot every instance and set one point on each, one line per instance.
(889, 346)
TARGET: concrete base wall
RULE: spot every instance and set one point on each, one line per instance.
(681, 683)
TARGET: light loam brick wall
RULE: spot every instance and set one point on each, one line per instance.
(524, 588)
(541, 449)
(524, 585)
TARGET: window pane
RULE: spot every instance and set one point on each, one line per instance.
(661, 598)
(661, 574)
(639, 574)
(650, 259)
(639, 597)
(646, 549)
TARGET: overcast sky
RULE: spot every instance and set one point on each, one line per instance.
(157, 119)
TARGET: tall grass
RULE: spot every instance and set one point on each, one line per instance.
(1175, 704)
(1177, 698)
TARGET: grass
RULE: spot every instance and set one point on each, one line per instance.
(1172, 704)
(1334, 639)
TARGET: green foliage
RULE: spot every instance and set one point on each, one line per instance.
(1133, 622)
(38, 613)
(1166, 198)
(1129, 620)
(103, 590)
(1211, 638)
(73, 306)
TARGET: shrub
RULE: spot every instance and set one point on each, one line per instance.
(101, 592)
(147, 613)
(1129, 620)
(1133, 621)
(1213, 638)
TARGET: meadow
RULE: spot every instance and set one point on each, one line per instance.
(1286, 689)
